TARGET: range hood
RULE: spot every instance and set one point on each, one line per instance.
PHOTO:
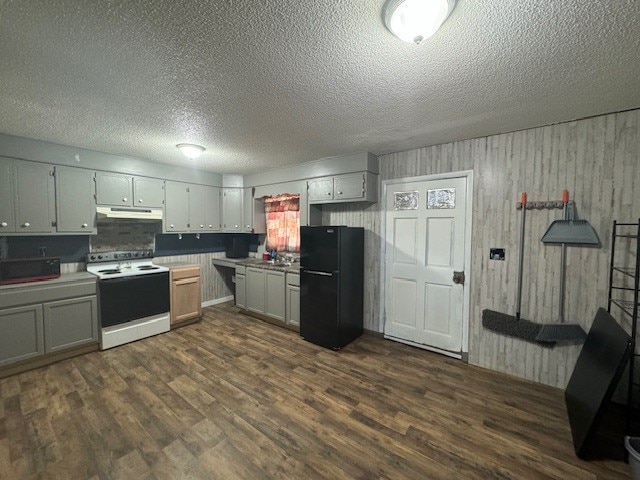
(154, 214)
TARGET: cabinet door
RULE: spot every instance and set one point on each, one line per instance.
(34, 198)
(247, 210)
(176, 207)
(275, 295)
(21, 334)
(185, 299)
(212, 209)
(232, 209)
(7, 207)
(197, 208)
(320, 190)
(349, 187)
(70, 323)
(113, 189)
(241, 293)
(293, 305)
(148, 192)
(255, 290)
(75, 204)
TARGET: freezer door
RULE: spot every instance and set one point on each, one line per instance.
(319, 321)
(319, 248)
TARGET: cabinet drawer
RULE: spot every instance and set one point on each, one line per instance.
(293, 279)
(185, 272)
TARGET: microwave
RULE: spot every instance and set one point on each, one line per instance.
(22, 270)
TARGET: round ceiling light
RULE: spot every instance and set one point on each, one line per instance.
(414, 21)
(189, 150)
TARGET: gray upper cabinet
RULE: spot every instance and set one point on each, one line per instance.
(35, 203)
(197, 208)
(320, 190)
(351, 187)
(124, 190)
(7, 207)
(212, 209)
(247, 210)
(176, 207)
(232, 209)
(113, 189)
(70, 323)
(75, 203)
(148, 192)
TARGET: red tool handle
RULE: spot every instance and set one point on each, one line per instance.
(565, 196)
(523, 198)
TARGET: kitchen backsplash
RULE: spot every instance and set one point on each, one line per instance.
(124, 235)
(4, 248)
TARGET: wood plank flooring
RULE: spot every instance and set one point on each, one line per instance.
(234, 397)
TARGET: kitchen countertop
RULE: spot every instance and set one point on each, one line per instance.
(75, 277)
(228, 262)
(265, 265)
(172, 265)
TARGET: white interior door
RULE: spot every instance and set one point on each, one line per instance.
(425, 245)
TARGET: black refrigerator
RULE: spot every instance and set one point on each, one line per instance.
(331, 284)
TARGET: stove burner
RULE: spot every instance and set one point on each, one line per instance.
(110, 271)
(147, 267)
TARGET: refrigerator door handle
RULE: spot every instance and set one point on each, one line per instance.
(315, 272)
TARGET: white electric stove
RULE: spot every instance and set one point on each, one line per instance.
(133, 295)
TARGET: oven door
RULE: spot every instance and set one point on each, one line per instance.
(131, 298)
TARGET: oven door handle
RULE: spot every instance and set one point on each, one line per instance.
(127, 278)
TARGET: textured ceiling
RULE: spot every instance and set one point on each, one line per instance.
(274, 82)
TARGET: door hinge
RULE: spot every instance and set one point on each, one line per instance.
(52, 173)
(54, 223)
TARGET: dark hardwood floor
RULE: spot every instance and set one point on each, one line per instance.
(234, 397)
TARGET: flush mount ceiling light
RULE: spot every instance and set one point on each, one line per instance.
(414, 21)
(189, 150)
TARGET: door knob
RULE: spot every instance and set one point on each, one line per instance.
(139, 200)
(26, 224)
(171, 226)
(339, 192)
(84, 225)
(201, 226)
(210, 226)
(124, 199)
(3, 224)
(458, 278)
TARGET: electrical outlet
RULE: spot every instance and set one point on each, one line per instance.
(496, 254)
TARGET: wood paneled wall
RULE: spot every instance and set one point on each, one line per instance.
(597, 159)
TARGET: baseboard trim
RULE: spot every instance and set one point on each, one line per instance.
(425, 347)
(217, 301)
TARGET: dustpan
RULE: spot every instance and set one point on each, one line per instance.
(567, 232)
(571, 231)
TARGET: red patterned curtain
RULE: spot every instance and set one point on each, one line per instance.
(283, 222)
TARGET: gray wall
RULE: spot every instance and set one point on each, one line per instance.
(597, 159)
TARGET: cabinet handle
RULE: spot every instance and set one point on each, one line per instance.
(236, 226)
(210, 226)
(186, 281)
(328, 193)
(84, 225)
(139, 200)
(3, 224)
(26, 224)
(339, 193)
(171, 226)
(124, 199)
(201, 226)
(225, 225)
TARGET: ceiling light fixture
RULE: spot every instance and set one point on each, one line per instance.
(414, 21)
(190, 150)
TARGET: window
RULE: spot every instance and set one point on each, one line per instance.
(283, 222)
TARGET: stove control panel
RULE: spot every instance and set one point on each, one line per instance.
(118, 256)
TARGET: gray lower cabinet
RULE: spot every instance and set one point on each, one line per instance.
(241, 290)
(293, 299)
(21, 334)
(275, 295)
(75, 203)
(255, 290)
(70, 323)
(265, 292)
